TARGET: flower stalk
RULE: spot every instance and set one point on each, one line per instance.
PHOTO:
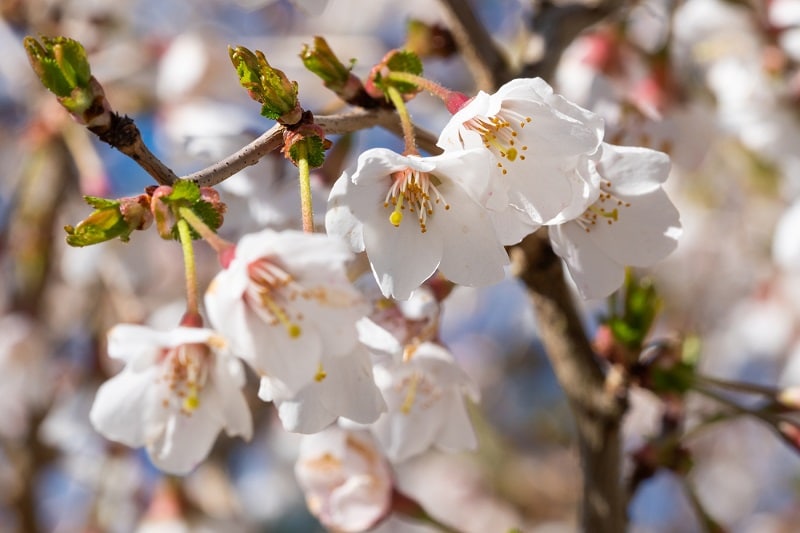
(217, 243)
(306, 205)
(454, 100)
(405, 120)
(185, 234)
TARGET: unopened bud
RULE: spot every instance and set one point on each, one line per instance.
(110, 219)
(266, 85)
(62, 66)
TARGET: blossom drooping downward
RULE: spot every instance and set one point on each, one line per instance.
(346, 479)
(177, 391)
(283, 301)
(632, 223)
(415, 214)
(541, 145)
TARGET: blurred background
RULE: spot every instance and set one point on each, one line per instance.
(714, 83)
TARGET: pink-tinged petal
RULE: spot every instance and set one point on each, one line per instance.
(595, 274)
(119, 406)
(454, 136)
(402, 257)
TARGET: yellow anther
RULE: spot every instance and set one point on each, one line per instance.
(321, 374)
(191, 402)
(411, 394)
(396, 217)
(277, 311)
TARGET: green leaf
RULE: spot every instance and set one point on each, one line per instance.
(315, 151)
(60, 63)
(405, 61)
(184, 192)
(103, 224)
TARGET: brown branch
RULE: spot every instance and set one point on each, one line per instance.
(488, 66)
(598, 408)
(332, 124)
(123, 135)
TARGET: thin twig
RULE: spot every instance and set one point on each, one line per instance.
(272, 139)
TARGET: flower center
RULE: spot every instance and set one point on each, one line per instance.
(607, 207)
(185, 372)
(269, 294)
(418, 192)
(501, 134)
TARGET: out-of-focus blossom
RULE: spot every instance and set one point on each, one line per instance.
(25, 381)
(346, 479)
(284, 301)
(415, 214)
(632, 223)
(343, 386)
(425, 392)
(177, 391)
(541, 144)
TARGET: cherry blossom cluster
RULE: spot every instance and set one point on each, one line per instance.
(366, 379)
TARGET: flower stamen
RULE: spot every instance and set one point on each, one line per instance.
(500, 135)
(419, 191)
(271, 289)
(605, 208)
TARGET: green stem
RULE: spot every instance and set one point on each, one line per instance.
(306, 204)
(215, 241)
(405, 120)
(452, 99)
(432, 87)
(185, 234)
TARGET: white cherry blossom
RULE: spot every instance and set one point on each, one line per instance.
(632, 223)
(541, 144)
(346, 479)
(425, 392)
(415, 214)
(178, 389)
(343, 386)
(284, 301)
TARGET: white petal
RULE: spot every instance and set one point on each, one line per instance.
(117, 411)
(456, 432)
(340, 219)
(185, 442)
(633, 171)
(228, 381)
(472, 254)
(596, 275)
(646, 232)
(402, 257)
